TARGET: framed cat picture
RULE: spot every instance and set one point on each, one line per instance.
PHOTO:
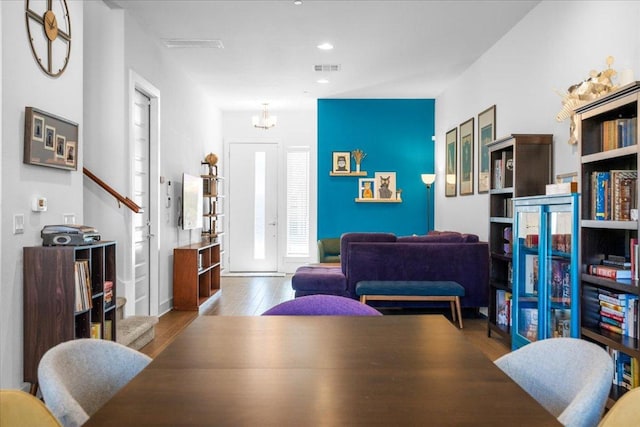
(385, 185)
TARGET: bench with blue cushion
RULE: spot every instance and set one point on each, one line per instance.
(407, 290)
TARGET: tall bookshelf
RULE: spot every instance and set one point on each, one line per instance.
(521, 165)
(213, 212)
(51, 313)
(602, 151)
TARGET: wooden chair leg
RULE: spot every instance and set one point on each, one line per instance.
(459, 312)
(453, 310)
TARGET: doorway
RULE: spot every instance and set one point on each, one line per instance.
(143, 246)
(141, 221)
(253, 198)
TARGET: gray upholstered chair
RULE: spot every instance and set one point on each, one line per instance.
(329, 250)
(570, 377)
(20, 409)
(625, 412)
(78, 377)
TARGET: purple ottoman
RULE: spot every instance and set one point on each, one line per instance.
(319, 280)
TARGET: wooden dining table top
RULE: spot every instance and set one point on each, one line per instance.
(322, 370)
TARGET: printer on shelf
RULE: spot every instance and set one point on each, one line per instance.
(68, 235)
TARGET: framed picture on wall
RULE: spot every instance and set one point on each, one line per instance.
(466, 157)
(486, 134)
(451, 145)
(341, 162)
(366, 188)
(50, 140)
(385, 185)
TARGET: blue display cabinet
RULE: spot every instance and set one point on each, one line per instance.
(545, 268)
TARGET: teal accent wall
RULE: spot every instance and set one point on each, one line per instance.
(396, 135)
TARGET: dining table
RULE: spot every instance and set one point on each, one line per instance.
(391, 370)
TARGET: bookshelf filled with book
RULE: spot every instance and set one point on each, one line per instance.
(545, 268)
(608, 151)
(521, 166)
(69, 293)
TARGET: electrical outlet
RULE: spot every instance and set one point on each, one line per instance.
(68, 218)
(18, 224)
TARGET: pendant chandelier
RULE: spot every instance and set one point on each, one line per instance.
(264, 120)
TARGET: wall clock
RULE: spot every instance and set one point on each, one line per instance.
(49, 30)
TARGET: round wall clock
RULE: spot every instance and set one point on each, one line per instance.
(49, 30)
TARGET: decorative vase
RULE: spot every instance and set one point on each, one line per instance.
(357, 167)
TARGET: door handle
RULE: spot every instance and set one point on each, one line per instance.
(272, 223)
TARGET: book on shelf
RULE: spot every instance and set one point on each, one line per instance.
(560, 323)
(531, 274)
(633, 250)
(561, 281)
(600, 195)
(561, 242)
(503, 308)
(498, 172)
(609, 272)
(626, 372)
(619, 133)
(96, 331)
(613, 194)
(507, 172)
(108, 293)
(82, 283)
(623, 193)
(108, 330)
(528, 324)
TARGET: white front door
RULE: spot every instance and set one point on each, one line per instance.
(253, 197)
(141, 221)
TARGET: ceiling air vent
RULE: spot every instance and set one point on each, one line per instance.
(326, 68)
(193, 43)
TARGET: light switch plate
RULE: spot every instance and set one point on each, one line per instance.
(69, 218)
(18, 224)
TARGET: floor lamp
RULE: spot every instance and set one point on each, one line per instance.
(428, 179)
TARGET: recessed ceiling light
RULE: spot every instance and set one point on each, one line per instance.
(297, 2)
(325, 46)
(323, 81)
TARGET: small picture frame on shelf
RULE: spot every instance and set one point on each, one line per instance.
(385, 185)
(366, 188)
(341, 162)
(451, 141)
(466, 157)
(486, 134)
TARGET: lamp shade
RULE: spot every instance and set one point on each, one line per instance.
(428, 178)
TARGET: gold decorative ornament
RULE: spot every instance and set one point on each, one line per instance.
(49, 31)
(595, 86)
(211, 159)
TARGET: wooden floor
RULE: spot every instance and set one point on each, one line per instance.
(251, 296)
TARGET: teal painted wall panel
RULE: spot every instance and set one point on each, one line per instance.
(397, 135)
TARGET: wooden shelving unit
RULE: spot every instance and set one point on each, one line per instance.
(526, 164)
(360, 200)
(606, 237)
(361, 173)
(50, 315)
(196, 274)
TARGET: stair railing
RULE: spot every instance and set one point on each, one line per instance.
(121, 199)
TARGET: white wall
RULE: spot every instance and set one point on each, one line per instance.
(190, 127)
(294, 128)
(24, 84)
(553, 47)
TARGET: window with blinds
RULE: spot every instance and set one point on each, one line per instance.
(298, 202)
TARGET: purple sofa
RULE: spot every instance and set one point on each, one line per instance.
(437, 256)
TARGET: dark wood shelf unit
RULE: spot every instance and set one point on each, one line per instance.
(196, 274)
(49, 298)
(605, 237)
(531, 170)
